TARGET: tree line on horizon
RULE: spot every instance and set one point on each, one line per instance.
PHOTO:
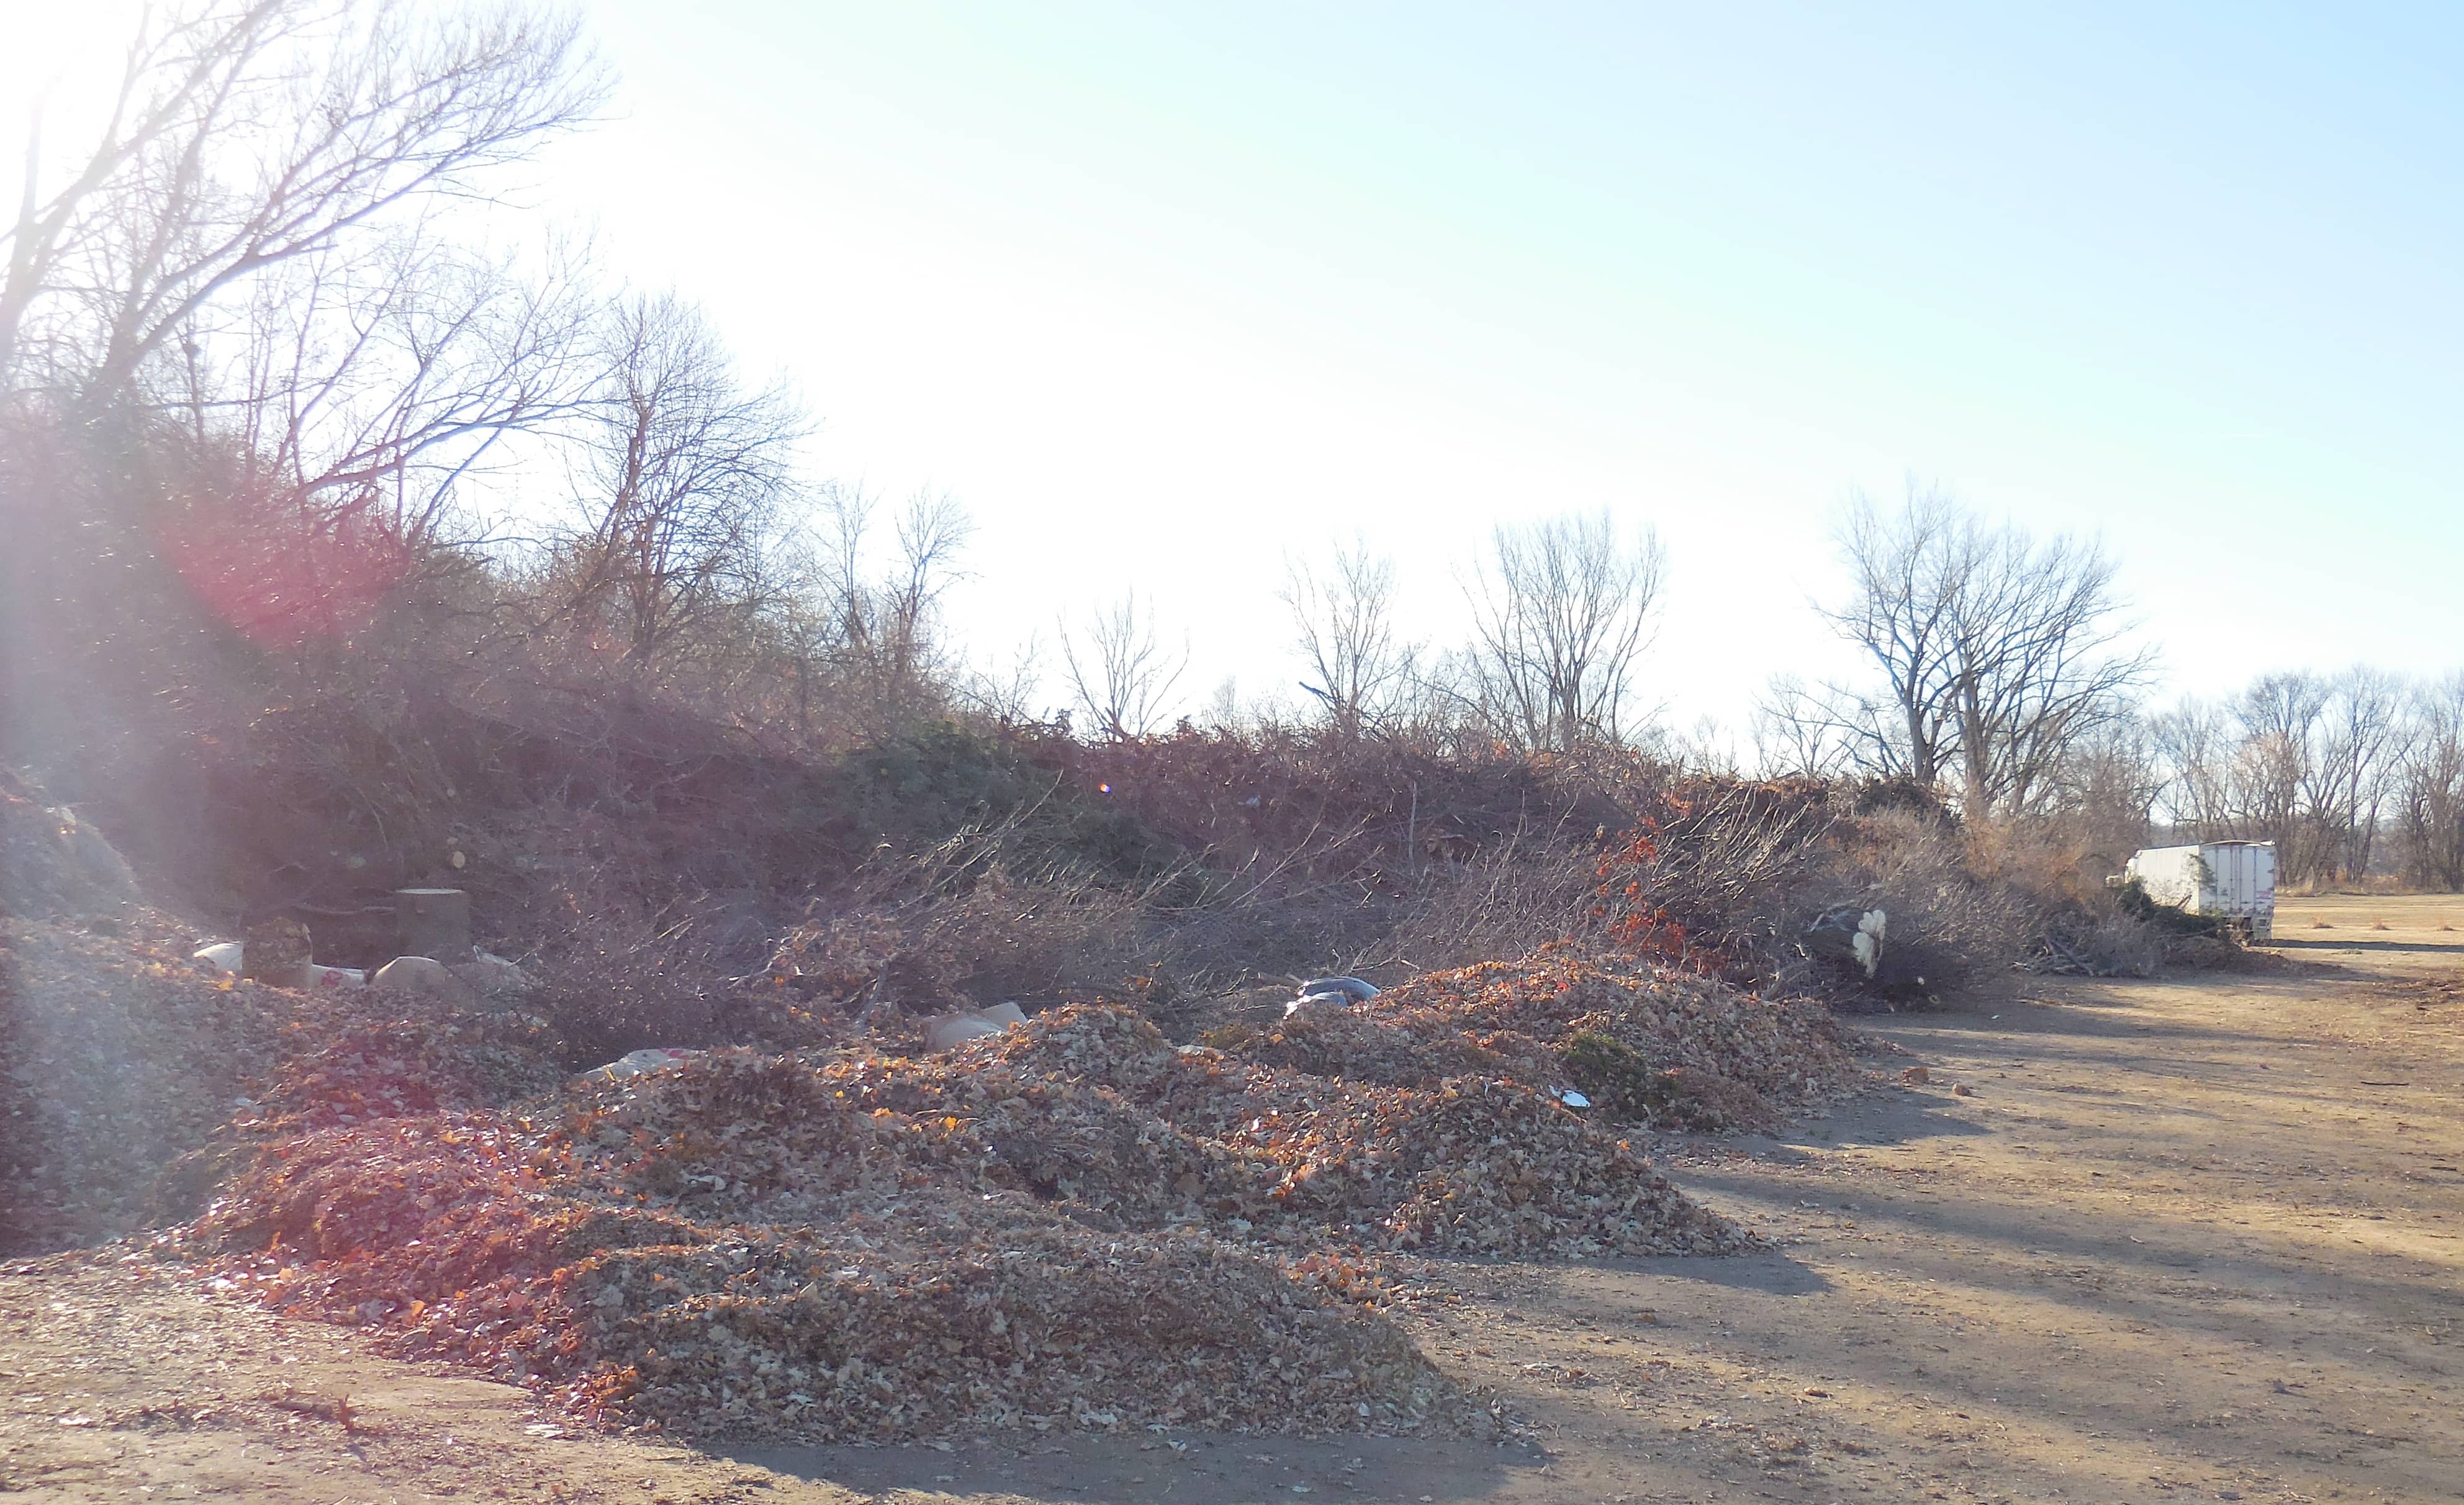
(288, 382)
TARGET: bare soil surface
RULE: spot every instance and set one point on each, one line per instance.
(2200, 1238)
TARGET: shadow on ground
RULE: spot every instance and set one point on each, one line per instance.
(1212, 1469)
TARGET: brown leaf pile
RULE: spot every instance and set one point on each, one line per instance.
(930, 1312)
(128, 1072)
(1738, 1060)
(1090, 1109)
(1073, 1224)
(742, 1246)
(116, 1057)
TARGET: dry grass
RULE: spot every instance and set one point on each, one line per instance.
(2398, 919)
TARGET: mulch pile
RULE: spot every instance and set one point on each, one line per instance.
(1073, 1224)
(130, 1076)
(52, 863)
(1651, 1045)
(902, 1308)
(116, 1059)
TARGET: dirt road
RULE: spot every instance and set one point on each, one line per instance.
(2192, 1239)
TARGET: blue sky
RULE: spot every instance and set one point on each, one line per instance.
(1165, 292)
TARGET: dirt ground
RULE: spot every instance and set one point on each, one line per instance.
(2200, 1238)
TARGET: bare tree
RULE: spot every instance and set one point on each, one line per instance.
(1707, 747)
(1224, 714)
(2324, 767)
(1997, 653)
(2357, 747)
(377, 387)
(248, 134)
(2430, 785)
(2110, 783)
(2196, 748)
(1005, 694)
(881, 640)
(1561, 610)
(2302, 760)
(2040, 662)
(1343, 621)
(2278, 716)
(686, 472)
(1122, 676)
(1798, 730)
(1909, 570)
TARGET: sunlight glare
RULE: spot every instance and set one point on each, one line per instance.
(62, 58)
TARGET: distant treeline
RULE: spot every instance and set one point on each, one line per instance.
(294, 394)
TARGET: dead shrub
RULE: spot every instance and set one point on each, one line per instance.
(621, 976)
(1506, 901)
(1948, 926)
(1735, 859)
(956, 924)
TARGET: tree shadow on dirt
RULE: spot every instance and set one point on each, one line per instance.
(2104, 1014)
(2154, 1263)
(1767, 1272)
(1885, 1116)
(1209, 1469)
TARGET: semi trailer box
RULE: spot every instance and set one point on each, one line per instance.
(2231, 881)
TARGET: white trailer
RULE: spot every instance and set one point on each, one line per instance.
(2233, 881)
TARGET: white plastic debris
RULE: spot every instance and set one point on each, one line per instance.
(1573, 1098)
(634, 1063)
(1350, 987)
(1852, 935)
(419, 975)
(1868, 941)
(949, 1030)
(941, 1032)
(1336, 992)
(227, 958)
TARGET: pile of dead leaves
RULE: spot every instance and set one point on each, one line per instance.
(746, 1245)
(1071, 1224)
(116, 1059)
(1090, 1108)
(385, 1065)
(130, 1075)
(1690, 1051)
(933, 1312)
